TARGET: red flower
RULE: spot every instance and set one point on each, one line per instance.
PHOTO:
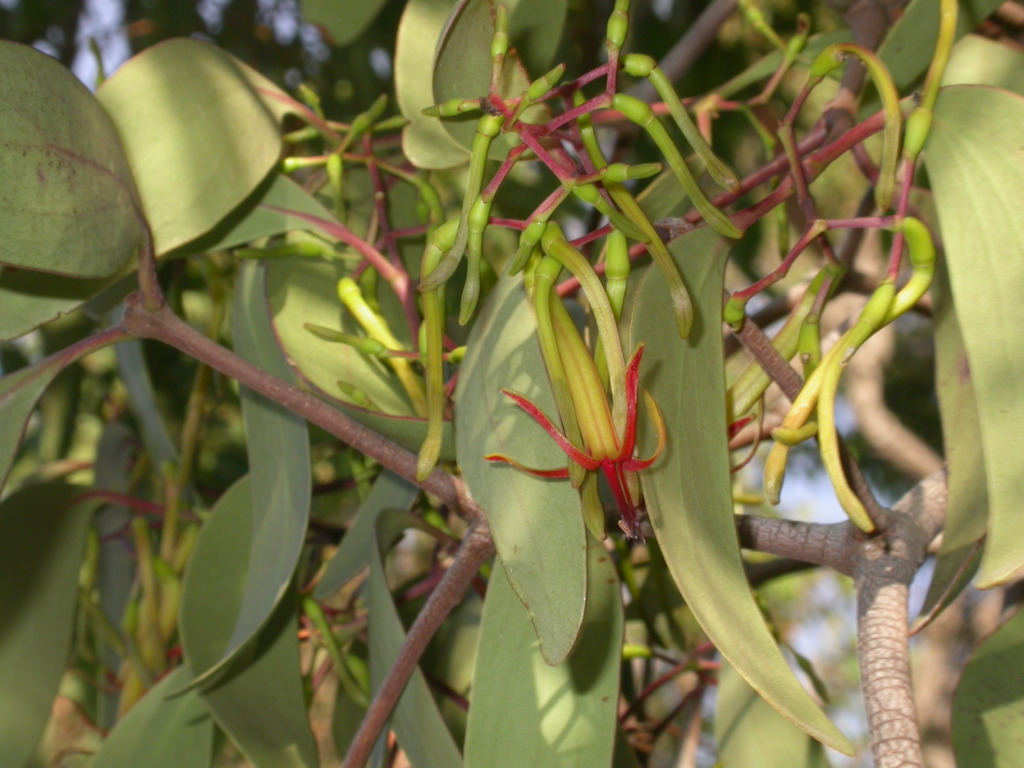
(613, 466)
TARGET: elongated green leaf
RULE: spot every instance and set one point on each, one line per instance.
(342, 20)
(417, 724)
(688, 489)
(749, 732)
(389, 492)
(909, 46)
(198, 132)
(967, 504)
(162, 730)
(976, 59)
(988, 707)
(68, 203)
(42, 536)
(131, 364)
(972, 159)
(278, 446)
(424, 140)
(259, 702)
(561, 715)
(302, 291)
(537, 524)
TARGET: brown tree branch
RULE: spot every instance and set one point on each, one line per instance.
(476, 548)
(163, 325)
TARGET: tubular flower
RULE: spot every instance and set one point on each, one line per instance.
(614, 462)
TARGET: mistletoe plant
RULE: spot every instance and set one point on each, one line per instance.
(468, 297)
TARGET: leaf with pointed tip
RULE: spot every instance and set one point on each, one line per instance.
(975, 163)
(161, 730)
(42, 537)
(688, 490)
(563, 714)
(988, 706)
(68, 204)
(277, 442)
(389, 492)
(751, 733)
(259, 700)
(417, 724)
(967, 503)
(537, 524)
(200, 131)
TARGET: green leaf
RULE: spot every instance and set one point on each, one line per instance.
(908, 49)
(68, 204)
(42, 537)
(424, 140)
(161, 730)
(281, 476)
(535, 30)
(977, 59)
(562, 715)
(417, 724)
(988, 707)
(462, 70)
(302, 291)
(280, 206)
(537, 524)
(974, 162)
(967, 502)
(389, 492)
(688, 490)
(342, 20)
(751, 733)
(198, 133)
(260, 702)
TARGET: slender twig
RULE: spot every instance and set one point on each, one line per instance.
(477, 547)
(163, 325)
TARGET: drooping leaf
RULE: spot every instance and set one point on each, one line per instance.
(162, 730)
(279, 467)
(342, 20)
(259, 700)
(974, 158)
(525, 712)
(138, 385)
(418, 726)
(988, 707)
(29, 299)
(967, 501)
(908, 48)
(303, 291)
(688, 490)
(424, 140)
(537, 524)
(976, 59)
(42, 537)
(199, 130)
(389, 492)
(749, 732)
(68, 204)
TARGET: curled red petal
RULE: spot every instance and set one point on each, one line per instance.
(560, 474)
(632, 385)
(574, 453)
